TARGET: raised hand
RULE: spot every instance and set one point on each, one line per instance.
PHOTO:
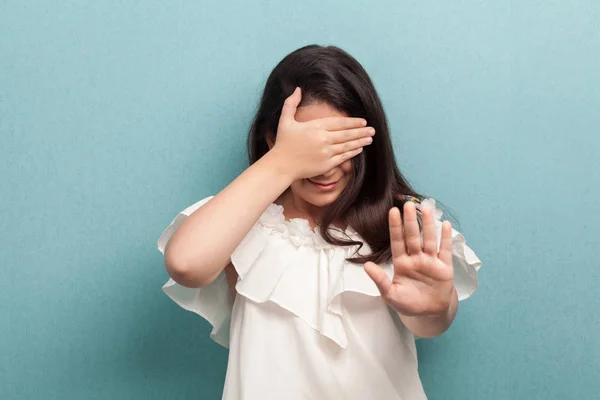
(314, 147)
(423, 282)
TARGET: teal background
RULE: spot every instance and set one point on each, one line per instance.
(115, 115)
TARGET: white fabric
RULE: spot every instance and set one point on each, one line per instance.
(307, 324)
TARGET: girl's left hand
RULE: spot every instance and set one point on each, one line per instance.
(423, 282)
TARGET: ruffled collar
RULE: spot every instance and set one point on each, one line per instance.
(298, 230)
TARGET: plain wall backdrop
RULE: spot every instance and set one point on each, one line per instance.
(116, 115)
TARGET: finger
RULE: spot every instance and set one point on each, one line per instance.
(352, 145)
(340, 158)
(429, 234)
(396, 234)
(445, 253)
(411, 229)
(290, 105)
(341, 123)
(378, 275)
(351, 134)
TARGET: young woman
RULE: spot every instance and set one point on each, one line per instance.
(319, 265)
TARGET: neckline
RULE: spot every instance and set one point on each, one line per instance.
(300, 227)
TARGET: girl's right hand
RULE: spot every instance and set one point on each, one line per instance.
(314, 147)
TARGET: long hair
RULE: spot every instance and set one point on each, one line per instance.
(331, 75)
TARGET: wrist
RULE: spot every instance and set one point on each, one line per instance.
(448, 313)
(276, 162)
(432, 325)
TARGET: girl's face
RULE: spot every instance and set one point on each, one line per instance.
(320, 191)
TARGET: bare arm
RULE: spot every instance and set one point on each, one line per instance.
(200, 248)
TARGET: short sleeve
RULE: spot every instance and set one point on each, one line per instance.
(212, 302)
(466, 265)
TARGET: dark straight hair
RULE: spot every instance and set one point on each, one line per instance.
(331, 75)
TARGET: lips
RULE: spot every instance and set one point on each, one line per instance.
(325, 186)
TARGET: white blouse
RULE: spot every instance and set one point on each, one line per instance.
(306, 323)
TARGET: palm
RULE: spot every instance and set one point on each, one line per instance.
(423, 279)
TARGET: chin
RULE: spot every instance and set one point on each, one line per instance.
(321, 199)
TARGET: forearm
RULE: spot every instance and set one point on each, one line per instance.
(200, 248)
(431, 326)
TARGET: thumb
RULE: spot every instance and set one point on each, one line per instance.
(378, 275)
(291, 104)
